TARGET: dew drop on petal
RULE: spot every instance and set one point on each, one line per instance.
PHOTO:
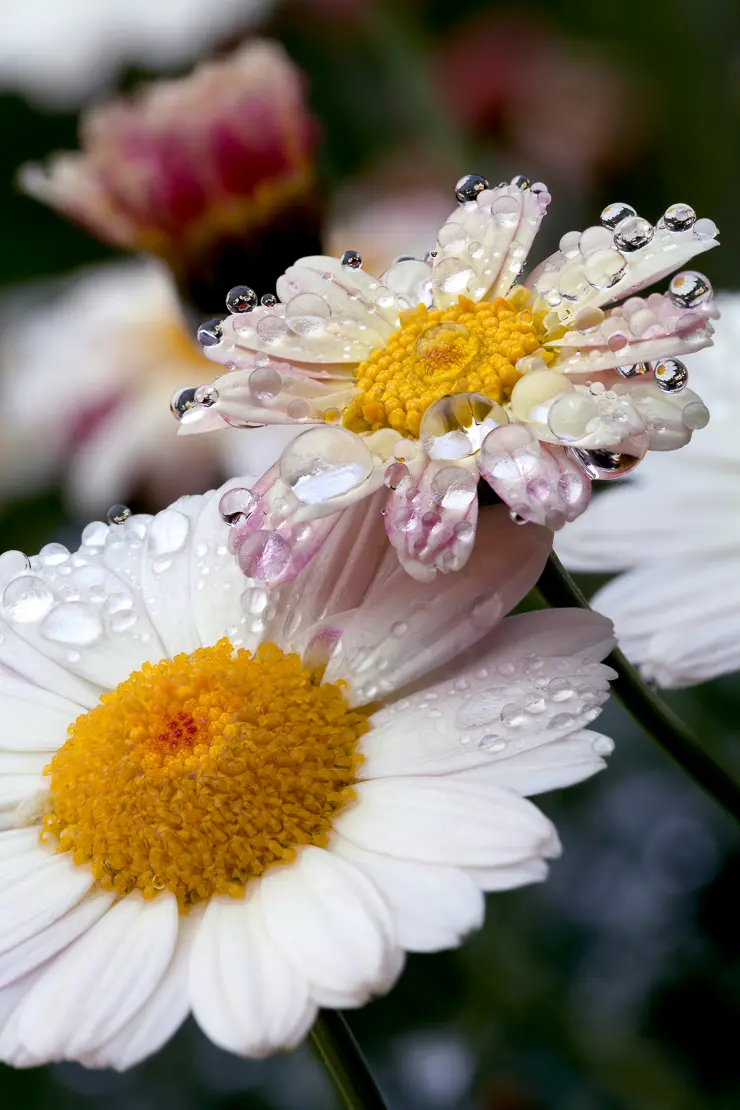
(264, 556)
(168, 532)
(452, 275)
(325, 462)
(454, 427)
(561, 721)
(615, 213)
(695, 415)
(272, 329)
(307, 314)
(122, 621)
(265, 383)
(236, 505)
(453, 487)
(118, 514)
(72, 623)
(27, 598)
(671, 374)
(570, 414)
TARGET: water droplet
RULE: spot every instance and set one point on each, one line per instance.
(168, 532)
(519, 181)
(689, 288)
(455, 426)
(453, 487)
(118, 514)
(695, 415)
(573, 284)
(535, 705)
(325, 462)
(241, 299)
(452, 275)
(53, 554)
(604, 268)
(670, 374)
(27, 598)
(633, 233)
(352, 260)
(633, 370)
(163, 563)
(236, 505)
(491, 743)
(12, 563)
(562, 720)
(268, 300)
(560, 689)
(72, 622)
(442, 343)
(265, 383)
(399, 629)
(615, 213)
(117, 603)
(272, 329)
(679, 217)
(604, 464)
(298, 409)
(307, 314)
(395, 475)
(512, 715)
(469, 186)
(569, 415)
(255, 600)
(122, 621)
(210, 332)
(705, 229)
(602, 745)
(206, 395)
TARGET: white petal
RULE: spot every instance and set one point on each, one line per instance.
(89, 992)
(433, 907)
(245, 995)
(166, 574)
(549, 766)
(332, 925)
(52, 886)
(32, 719)
(34, 951)
(507, 878)
(440, 820)
(406, 629)
(162, 1013)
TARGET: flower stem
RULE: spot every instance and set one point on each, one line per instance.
(659, 721)
(333, 1042)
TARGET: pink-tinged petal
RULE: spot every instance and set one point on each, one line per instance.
(670, 418)
(273, 392)
(482, 248)
(431, 515)
(643, 329)
(405, 629)
(602, 265)
(538, 481)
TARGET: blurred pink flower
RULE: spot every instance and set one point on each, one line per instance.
(566, 108)
(202, 171)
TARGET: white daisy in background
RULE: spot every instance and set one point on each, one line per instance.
(61, 53)
(674, 532)
(445, 368)
(101, 423)
(248, 804)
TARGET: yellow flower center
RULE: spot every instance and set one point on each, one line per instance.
(197, 774)
(468, 348)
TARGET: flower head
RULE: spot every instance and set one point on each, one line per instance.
(676, 606)
(248, 804)
(446, 368)
(199, 170)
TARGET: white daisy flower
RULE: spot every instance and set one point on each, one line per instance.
(61, 53)
(104, 428)
(445, 369)
(676, 608)
(247, 805)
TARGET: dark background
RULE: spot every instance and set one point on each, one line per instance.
(616, 986)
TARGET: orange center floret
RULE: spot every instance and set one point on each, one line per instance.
(197, 773)
(468, 348)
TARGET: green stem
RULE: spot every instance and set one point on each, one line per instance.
(659, 721)
(332, 1041)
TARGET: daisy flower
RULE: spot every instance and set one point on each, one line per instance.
(108, 433)
(61, 53)
(446, 368)
(676, 607)
(201, 171)
(247, 804)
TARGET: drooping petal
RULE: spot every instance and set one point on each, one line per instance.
(537, 481)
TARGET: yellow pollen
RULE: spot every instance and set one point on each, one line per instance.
(197, 774)
(468, 348)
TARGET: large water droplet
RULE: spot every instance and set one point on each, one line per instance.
(452, 275)
(569, 415)
(325, 462)
(442, 342)
(695, 415)
(122, 621)
(604, 268)
(264, 556)
(118, 514)
(454, 426)
(272, 329)
(53, 554)
(469, 186)
(72, 623)
(95, 534)
(236, 505)
(604, 464)
(689, 289)
(633, 233)
(27, 598)
(307, 314)
(615, 213)
(505, 210)
(241, 299)
(679, 217)
(455, 488)
(168, 532)
(671, 375)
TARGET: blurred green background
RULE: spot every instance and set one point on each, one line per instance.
(615, 986)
